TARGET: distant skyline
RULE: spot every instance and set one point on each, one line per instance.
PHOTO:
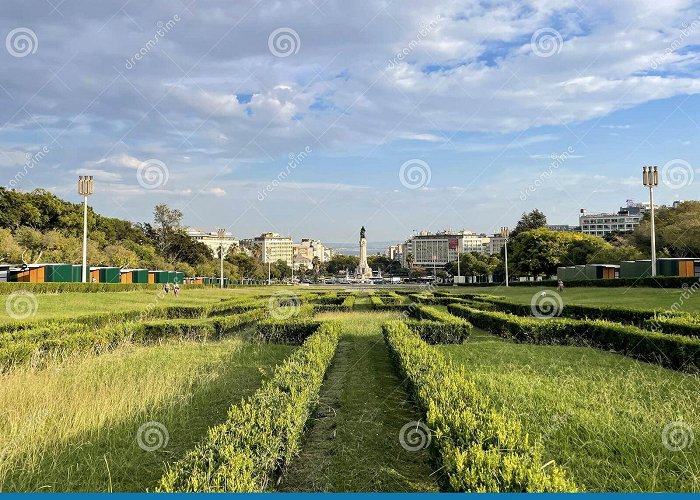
(312, 118)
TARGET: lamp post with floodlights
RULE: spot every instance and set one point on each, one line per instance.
(86, 186)
(221, 233)
(650, 178)
(505, 232)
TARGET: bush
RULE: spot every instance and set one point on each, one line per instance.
(688, 326)
(377, 302)
(61, 338)
(263, 433)
(286, 332)
(673, 351)
(349, 302)
(437, 332)
(478, 448)
(9, 287)
(657, 282)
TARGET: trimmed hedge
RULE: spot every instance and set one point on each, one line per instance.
(9, 287)
(59, 339)
(688, 326)
(286, 332)
(578, 311)
(263, 433)
(478, 448)
(657, 282)
(437, 332)
(377, 302)
(673, 351)
(349, 302)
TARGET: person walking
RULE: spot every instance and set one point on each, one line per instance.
(176, 290)
(166, 288)
(560, 285)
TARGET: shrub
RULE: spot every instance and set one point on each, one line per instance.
(286, 332)
(479, 449)
(437, 332)
(688, 326)
(263, 433)
(349, 302)
(377, 302)
(673, 351)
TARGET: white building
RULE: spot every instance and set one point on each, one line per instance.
(437, 249)
(212, 240)
(275, 247)
(625, 220)
(307, 250)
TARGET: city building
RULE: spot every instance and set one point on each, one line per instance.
(274, 247)
(307, 250)
(212, 240)
(437, 249)
(624, 221)
(563, 227)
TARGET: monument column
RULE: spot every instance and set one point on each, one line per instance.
(363, 270)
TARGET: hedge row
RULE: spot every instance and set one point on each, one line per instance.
(673, 351)
(263, 433)
(478, 448)
(349, 302)
(577, 311)
(9, 287)
(680, 325)
(438, 327)
(59, 339)
(286, 332)
(657, 282)
(151, 311)
(377, 302)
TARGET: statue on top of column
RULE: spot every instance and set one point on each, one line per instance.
(362, 232)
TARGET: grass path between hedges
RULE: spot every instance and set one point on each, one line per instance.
(73, 426)
(353, 443)
(611, 421)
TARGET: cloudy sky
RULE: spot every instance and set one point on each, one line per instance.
(314, 117)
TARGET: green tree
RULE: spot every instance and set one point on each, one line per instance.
(528, 221)
(339, 263)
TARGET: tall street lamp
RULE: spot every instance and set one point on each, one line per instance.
(221, 233)
(505, 232)
(86, 186)
(650, 178)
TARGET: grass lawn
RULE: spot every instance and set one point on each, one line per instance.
(73, 426)
(73, 304)
(601, 415)
(353, 443)
(639, 298)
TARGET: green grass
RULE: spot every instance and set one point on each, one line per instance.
(636, 298)
(601, 415)
(73, 427)
(353, 443)
(73, 304)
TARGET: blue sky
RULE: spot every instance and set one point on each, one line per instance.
(410, 115)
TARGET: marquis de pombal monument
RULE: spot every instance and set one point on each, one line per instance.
(363, 269)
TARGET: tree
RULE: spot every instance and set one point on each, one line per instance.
(339, 263)
(167, 221)
(541, 251)
(532, 220)
(248, 267)
(677, 230)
